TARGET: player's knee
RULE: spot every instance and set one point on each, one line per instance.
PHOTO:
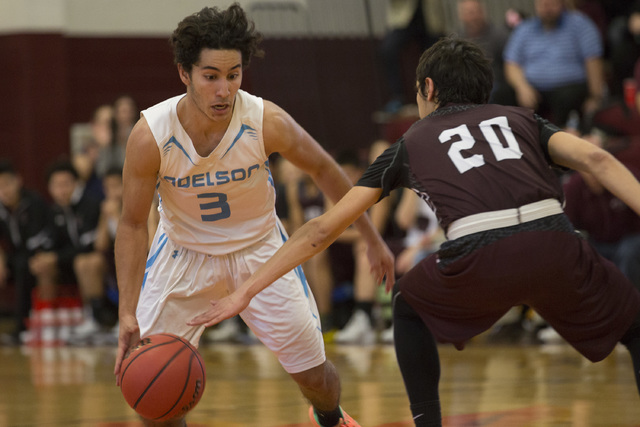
(401, 308)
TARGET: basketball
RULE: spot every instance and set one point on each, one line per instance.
(162, 377)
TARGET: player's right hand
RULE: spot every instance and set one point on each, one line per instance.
(222, 309)
(129, 335)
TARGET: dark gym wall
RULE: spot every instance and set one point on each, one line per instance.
(50, 81)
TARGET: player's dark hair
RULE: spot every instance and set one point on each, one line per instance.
(460, 71)
(212, 28)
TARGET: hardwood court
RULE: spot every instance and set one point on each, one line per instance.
(485, 385)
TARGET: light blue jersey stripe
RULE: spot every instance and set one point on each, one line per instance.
(303, 279)
(162, 241)
(298, 269)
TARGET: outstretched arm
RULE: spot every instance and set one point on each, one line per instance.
(313, 237)
(283, 135)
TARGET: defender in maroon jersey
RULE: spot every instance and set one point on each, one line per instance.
(488, 172)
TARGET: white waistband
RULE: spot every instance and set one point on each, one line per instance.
(503, 218)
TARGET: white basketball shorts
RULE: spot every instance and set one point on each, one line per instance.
(179, 283)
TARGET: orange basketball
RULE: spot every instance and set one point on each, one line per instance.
(162, 377)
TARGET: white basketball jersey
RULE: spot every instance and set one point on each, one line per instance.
(220, 203)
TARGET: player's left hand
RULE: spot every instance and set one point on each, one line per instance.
(382, 264)
(220, 310)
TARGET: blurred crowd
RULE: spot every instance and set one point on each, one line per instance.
(574, 62)
(57, 248)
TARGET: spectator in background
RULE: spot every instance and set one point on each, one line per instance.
(408, 21)
(71, 257)
(285, 176)
(306, 201)
(513, 18)
(87, 142)
(125, 115)
(423, 236)
(23, 219)
(554, 62)
(110, 211)
(362, 325)
(475, 26)
(624, 45)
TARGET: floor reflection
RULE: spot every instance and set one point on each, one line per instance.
(485, 385)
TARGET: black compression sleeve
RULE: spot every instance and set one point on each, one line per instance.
(389, 171)
(547, 129)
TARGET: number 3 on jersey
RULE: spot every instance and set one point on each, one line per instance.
(466, 142)
(218, 204)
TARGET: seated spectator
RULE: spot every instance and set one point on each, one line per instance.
(88, 140)
(362, 326)
(23, 220)
(408, 21)
(475, 26)
(624, 46)
(305, 202)
(423, 233)
(422, 236)
(110, 211)
(125, 115)
(554, 62)
(71, 257)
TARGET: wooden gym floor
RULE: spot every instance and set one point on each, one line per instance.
(484, 385)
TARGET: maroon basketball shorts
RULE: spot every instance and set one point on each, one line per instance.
(473, 281)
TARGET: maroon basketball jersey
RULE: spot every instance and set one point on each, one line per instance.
(468, 159)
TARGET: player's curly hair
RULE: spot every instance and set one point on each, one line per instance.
(460, 71)
(212, 28)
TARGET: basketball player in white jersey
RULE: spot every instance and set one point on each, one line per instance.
(206, 153)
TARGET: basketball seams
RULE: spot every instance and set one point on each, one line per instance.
(142, 351)
(193, 351)
(158, 375)
(184, 388)
(145, 389)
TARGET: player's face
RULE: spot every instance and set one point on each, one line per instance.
(214, 81)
